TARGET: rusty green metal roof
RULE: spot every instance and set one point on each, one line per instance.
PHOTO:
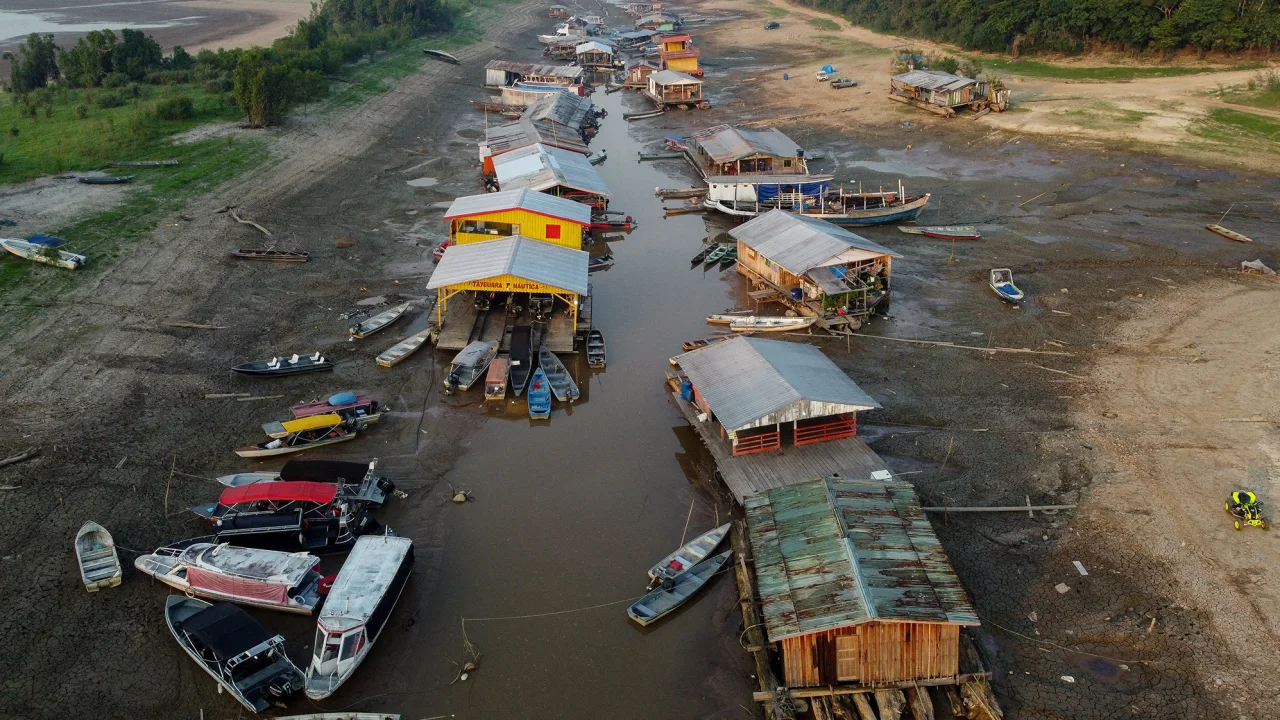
(838, 552)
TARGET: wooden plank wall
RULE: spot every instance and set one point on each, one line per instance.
(877, 652)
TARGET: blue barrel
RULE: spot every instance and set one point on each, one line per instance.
(686, 391)
(797, 294)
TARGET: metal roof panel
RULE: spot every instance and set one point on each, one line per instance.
(726, 144)
(540, 168)
(799, 243)
(521, 199)
(525, 258)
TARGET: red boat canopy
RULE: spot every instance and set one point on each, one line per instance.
(322, 493)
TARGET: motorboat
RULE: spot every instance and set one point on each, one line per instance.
(269, 579)
(293, 365)
(469, 365)
(689, 554)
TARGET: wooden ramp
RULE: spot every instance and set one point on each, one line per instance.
(747, 475)
(459, 320)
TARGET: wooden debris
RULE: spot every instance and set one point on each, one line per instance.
(979, 701)
(953, 699)
(260, 397)
(891, 703)
(224, 208)
(144, 163)
(219, 396)
(1024, 202)
(863, 705)
(920, 703)
(242, 221)
(193, 326)
(1228, 234)
(24, 455)
(821, 710)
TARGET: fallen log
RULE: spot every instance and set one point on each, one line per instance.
(242, 221)
(24, 455)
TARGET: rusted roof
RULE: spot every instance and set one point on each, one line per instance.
(837, 552)
(524, 69)
(525, 132)
(798, 243)
(933, 80)
(726, 144)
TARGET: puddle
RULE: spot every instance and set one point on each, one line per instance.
(16, 25)
(422, 182)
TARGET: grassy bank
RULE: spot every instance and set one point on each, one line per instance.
(1110, 73)
(1240, 130)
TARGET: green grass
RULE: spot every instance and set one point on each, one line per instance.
(1240, 130)
(1034, 68)
(824, 24)
(66, 142)
(774, 12)
(1102, 115)
(841, 45)
(1262, 91)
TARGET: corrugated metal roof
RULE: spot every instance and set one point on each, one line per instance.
(526, 258)
(593, 46)
(671, 77)
(934, 80)
(657, 17)
(799, 243)
(564, 108)
(837, 552)
(634, 63)
(750, 382)
(765, 179)
(636, 34)
(726, 144)
(525, 132)
(541, 168)
(568, 72)
(366, 575)
(522, 199)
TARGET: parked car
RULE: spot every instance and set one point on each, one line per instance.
(771, 25)
(843, 83)
(821, 76)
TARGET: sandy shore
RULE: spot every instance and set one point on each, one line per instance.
(273, 19)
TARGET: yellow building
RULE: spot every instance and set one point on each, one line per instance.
(495, 216)
(679, 54)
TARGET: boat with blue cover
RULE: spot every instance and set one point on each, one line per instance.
(539, 396)
(1002, 284)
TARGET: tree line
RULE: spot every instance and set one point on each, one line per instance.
(264, 82)
(1020, 26)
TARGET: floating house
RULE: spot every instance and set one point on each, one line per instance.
(668, 88)
(933, 90)
(561, 109)
(558, 11)
(505, 73)
(726, 150)
(495, 216)
(640, 9)
(553, 171)
(525, 132)
(632, 38)
(513, 264)
(638, 72)
(594, 54)
(856, 590)
(678, 53)
(816, 268)
(658, 21)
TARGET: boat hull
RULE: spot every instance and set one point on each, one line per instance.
(378, 322)
(775, 326)
(897, 213)
(158, 570)
(252, 451)
(661, 602)
(397, 353)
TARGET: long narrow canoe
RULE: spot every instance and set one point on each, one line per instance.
(727, 318)
(1229, 234)
(441, 55)
(690, 554)
(595, 349)
(558, 376)
(43, 254)
(714, 256)
(372, 325)
(688, 345)
(676, 592)
(944, 232)
(770, 324)
(397, 353)
(271, 254)
(295, 443)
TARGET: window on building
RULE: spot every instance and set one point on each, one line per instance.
(553, 232)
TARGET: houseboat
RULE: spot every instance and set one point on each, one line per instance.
(357, 610)
(751, 195)
(246, 576)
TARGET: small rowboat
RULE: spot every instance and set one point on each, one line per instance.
(297, 443)
(595, 349)
(706, 250)
(295, 365)
(397, 353)
(642, 115)
(521, 358)
(1002, 284)
(372, 325)
(770, 324)
(271, 254)
(944, 232)
(97, 557)
(688, 345)
(558, 376)
(715, 255)
(608, 224)
(469, 365)
(730, 257)
(539, 396)
(495, 383)
(44, 254)
(441, 55)
(728, 318)
(1228, 234)
(598, 158)
(690, 554)
(247, 478)
(105, 179)
(674, 592)
(600, 263)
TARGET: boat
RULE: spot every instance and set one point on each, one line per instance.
(755, 323)
(730, 257)
(689, 554)
(595, 349)
(1228, 233)
(247, 661)
(247, 478)
(702, 255)
(341, 716)
(294, 365)
(605, 223)
(671, 142)
(599, 263)
(285, 428)
(314, 499)
(271, 254)
(268, 579)
(469, 365)
(44, 254)
(396, 354)
(521, 357)
(727, 318)
(1002, 284)
(292, 530)
(675, 592)
(597, 158)
(97, 557)
(105, 179)
(441, 55)
(357, 610)
(688, 345)
(495, 383)
(558, 376)
(358, 482)
(306, 440)
(539, 396)
(868, 208)
(350, 406)
(714, 256)
(369, 326)
(642, 115)
(944, 232)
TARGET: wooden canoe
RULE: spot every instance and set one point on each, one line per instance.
(1229, 234)
(662, 601)
(690, 554)
(441, 55)
(372, 325)
(296, 443)
(396, 354)
(97, 557)
(595, 349)
(271, 254)
(558, 376)
(688, 345)
(727, 318)
(770, 324)
(43, 254)
(943, 232)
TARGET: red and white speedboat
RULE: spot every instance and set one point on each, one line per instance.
(248, 576)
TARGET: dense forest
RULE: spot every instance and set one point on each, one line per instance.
(1022, 26)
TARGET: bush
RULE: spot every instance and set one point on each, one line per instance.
(943, 63)
(970, 68)
(14, 131)
(178, 107)
(135, 90)
(115, 80)
(110, 100)
(82, 111)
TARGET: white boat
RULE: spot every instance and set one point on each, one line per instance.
(44, 254)
(1002, 284)
(297, 442)
(468, 366)
(675, 592)
(690, 554)
(357, 609)
(727, 318)
(244, 657)
(341, 716)
(397, 353)
(247, 478)
(246, 576)
(754, 323)
(369, 326)
(96, 554)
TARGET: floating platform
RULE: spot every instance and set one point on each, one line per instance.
(463, 324)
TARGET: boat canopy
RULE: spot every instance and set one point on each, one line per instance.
(342, 398)
(310, 422)
(325, 471)
(280, 491)
(264, 575)
(226, 630)
(365, 578)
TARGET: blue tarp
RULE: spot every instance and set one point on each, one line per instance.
(828, 69)
(768, 192)
(48, 240)
(342, 398)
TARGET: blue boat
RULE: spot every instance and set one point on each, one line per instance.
(673, 592)
(539, 396)
(1002, 284)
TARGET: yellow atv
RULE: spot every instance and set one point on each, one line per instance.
(1246, 509)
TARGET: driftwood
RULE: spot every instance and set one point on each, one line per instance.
(920, 704)
(260, 397)
(242, 221)
(979, 701)
(862, 704)
(219, 396)
(953, 699)
(891, 703)
(24, 455)
(193, 326)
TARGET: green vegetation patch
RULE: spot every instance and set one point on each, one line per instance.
(1033, 68)
(1104, 115)
(775, 12)
(849, 46)
(824, 23)
(1262, 91)
(1241, 130)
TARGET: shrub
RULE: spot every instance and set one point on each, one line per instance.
(115, 80)
(178, 107)
(135, 90)
(110, 100)
(82, 111)
(943, 63)
(14, 131)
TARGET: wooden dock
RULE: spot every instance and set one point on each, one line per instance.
(464, 324)
(746, 475)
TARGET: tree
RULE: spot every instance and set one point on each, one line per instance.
(261, 87)
(34, 65)
(137, 54)
(181, 59)
(86, 64)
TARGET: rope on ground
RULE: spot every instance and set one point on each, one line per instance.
(1077, 652)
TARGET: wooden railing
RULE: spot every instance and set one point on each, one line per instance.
(760, 442)
(842, 426)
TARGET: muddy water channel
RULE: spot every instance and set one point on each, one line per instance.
(569, 514)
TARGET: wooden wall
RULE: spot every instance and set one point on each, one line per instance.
(873, 652)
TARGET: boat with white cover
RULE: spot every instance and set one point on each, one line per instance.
(468, 366)
(247, 576)
(690, 554)
(755, 323)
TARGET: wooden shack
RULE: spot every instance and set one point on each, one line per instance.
(659, 21)
(555, 172)
(668, 88)
(594, 54)
(638, 72)
(558, 11)
(494, 216)
(933, 90)
(678, 53)
(816, 268)
(854, 586)
(524, 132)
(505, 73)
(725, 150)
